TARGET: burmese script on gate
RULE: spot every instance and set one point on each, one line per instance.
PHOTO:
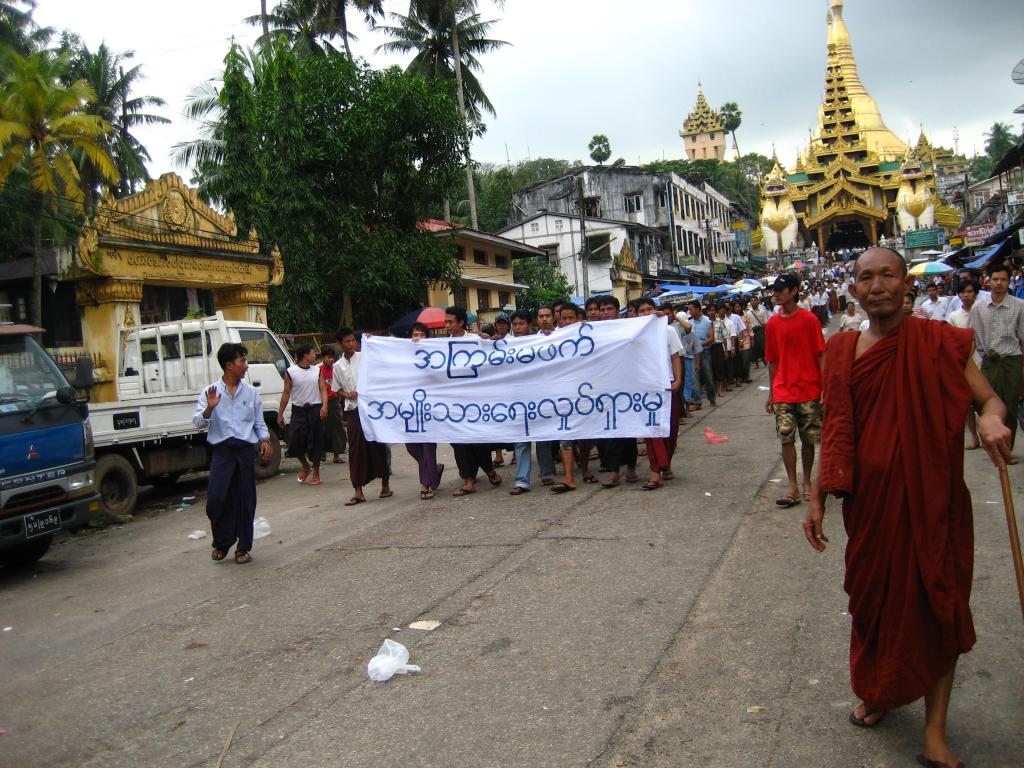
(590, 380)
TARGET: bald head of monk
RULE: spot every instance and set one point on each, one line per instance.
(880, 280)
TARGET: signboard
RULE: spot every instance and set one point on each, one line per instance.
(922, 238)
(740, 224)
(730, 238)
(978, 233)
(1015, 198)
(652, 266)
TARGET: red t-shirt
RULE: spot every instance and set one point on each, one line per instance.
(327, 372)
(794, 344)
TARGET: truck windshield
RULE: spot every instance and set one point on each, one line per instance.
(27, 374)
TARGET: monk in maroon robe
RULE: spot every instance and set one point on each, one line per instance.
(895, 402)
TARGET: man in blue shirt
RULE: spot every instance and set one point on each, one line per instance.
(232, 412)
(702, 327)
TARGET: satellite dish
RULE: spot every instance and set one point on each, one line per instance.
(1018, 73)
(1019, 110)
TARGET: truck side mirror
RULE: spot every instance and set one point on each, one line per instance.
(83, 373)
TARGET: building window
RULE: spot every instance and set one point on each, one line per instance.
(534, 227)
(504, 298)
(558, 225)
(712, 137)
(479, 257)
(661, 199)
(634, 203)
(979, 199)
(459, 298)
(483, 299)
(693, 139)
(501, 262)
(461, 256)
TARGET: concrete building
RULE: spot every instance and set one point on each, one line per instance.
(670, 225)
(486, 264)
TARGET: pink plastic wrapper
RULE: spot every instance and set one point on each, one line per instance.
(713, 437)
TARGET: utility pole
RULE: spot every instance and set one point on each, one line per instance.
(584, 250)
(711, 261)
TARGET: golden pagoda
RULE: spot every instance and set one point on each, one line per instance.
(703, 131)
(856, 181)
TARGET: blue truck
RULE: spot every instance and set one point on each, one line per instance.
(47, 462)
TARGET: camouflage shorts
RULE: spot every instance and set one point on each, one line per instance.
(805, 418)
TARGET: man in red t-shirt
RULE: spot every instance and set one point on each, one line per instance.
(795, 351)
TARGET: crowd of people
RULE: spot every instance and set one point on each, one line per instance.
(888, 404)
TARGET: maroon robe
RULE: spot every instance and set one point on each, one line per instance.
(892, 448)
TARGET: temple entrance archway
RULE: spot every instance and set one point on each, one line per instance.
(853, 233)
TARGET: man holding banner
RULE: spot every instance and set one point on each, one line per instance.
(470, 457)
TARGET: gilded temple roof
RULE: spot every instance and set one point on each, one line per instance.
(703, 119)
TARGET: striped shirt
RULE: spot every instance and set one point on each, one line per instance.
(998, 328)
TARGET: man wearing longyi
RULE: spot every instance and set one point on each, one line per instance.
(895, 401)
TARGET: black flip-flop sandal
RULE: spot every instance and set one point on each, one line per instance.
(862, 722)
(218, 554)
(242, 557)
(562, 488)
(786, 502)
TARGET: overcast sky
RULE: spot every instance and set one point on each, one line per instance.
(574, 69)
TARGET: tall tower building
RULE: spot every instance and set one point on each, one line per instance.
(703, 132)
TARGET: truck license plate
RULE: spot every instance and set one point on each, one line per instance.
(39, 523)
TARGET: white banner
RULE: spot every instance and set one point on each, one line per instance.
(590, 380)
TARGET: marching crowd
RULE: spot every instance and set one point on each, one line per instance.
(888, 404)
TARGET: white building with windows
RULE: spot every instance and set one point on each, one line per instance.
(684, 223)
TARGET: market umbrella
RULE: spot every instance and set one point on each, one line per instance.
(930, 268)
(798, 265)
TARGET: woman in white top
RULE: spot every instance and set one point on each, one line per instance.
(305, 387)
(850, 321)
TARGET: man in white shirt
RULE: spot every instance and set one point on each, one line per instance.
(935, 306)
(366, 460)
(961, 318)
(660, 449)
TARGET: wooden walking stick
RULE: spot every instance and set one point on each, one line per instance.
(1011, 521)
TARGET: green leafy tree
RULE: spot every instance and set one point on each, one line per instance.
(732, 119)
(337, 163)
(600, 149)
(43, 126)
(546, 283)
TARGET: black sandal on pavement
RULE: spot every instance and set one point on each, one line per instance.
(242, 557)
(493, 478)
(862, 722)
(218, 554)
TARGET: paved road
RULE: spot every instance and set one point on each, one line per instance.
(690, 626)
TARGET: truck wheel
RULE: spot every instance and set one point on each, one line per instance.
(266, 468)
(118, 485)
(27, 553)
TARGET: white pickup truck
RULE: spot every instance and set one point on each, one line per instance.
(146, 435)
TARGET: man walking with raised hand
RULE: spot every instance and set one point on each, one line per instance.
(233, 413)
(794, 349)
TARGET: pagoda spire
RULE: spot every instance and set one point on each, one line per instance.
(848, 114)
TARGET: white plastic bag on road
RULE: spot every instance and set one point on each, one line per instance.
(260, 528)
(391, 659)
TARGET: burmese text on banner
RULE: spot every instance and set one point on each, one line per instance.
(586, 381)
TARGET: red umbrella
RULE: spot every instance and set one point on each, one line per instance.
(432, 317)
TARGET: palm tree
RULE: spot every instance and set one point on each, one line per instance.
(447, 36)
(999, 140)
(42, 124)
(335, 16)
(303, 23)
(732, 119)
(17, 28)
(106, 75)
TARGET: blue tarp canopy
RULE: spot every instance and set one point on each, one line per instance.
(696, 289)
(988, 255)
